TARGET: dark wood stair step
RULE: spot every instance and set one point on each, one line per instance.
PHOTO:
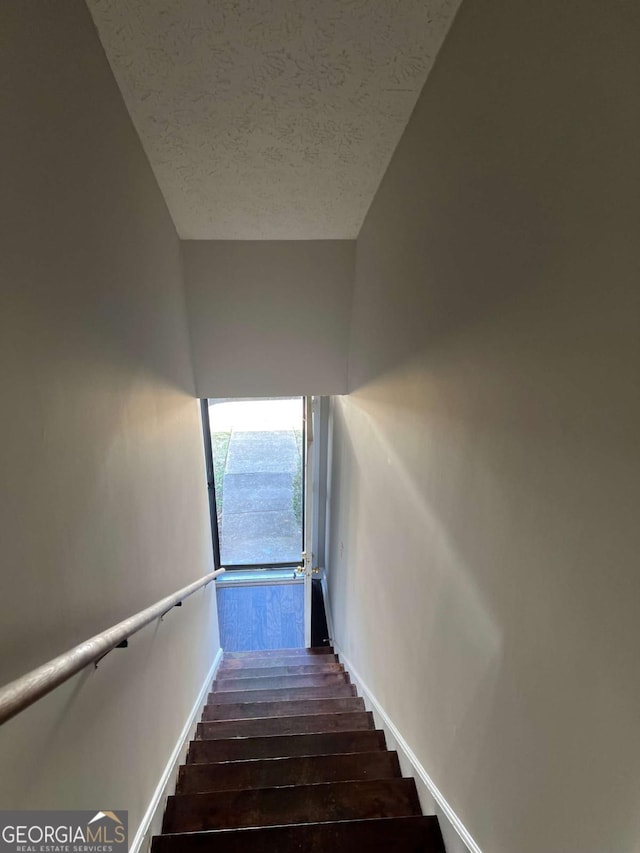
(282, 746)
(306, 668)
(282, 694)
(277, 681)
(296, 770)
(296, 804)
(271, 653)
(279, 660)
(290, 708)
(400, 834)
(292, 724)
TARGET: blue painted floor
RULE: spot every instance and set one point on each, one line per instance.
(261, 617)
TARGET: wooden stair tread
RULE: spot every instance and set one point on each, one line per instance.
(286, 758)
(294, 770)
(295, 804)
(300, 723)
(275, 682)
(281, 746)
(406, 834)
(282, 694)
(276, 660)
(243, 710)
(309, 667)
(268, 653)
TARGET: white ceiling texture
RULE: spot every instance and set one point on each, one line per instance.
(270, 119)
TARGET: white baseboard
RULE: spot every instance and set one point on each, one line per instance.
(384, 721)
(390, 729)
(152, 820)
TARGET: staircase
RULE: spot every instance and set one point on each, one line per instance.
(287, 759)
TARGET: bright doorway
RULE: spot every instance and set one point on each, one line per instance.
(260, 490)
(258, 462)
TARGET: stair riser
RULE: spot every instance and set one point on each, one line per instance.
(286, 725)
(273, 772)
(276, 746)
(265, 663)
(409, 835)
(287, 759)
(282, 694)
(267, 654)
(303, 804)
(292, 669)
(276, 682)
(246, 710)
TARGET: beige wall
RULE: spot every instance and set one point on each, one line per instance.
(484, 569)
(269, 317)
(103, 502)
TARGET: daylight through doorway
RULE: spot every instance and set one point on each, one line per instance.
(257, 453)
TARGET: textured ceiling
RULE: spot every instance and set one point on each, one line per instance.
(270, 119)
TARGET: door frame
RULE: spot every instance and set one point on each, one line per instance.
(308, 514)
(311, 425)
(211, 486)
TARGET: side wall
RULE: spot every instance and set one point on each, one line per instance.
(103, 499)
(486, 465)
(269, 318)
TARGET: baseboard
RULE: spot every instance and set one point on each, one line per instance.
(407, 757)
(386, 723)
(152, 820)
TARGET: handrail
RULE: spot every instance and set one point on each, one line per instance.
(24, 691)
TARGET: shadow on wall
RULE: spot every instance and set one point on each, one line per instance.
(449, 636)
(451, 264)
(79, 712)
(489, 444)
(470, 500)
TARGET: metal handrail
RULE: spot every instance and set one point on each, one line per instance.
(24, 691)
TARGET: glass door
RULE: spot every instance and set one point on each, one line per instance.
(256, 481)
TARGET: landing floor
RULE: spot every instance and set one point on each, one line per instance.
(261, 616)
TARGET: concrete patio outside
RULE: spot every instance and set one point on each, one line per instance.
(260, 517)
